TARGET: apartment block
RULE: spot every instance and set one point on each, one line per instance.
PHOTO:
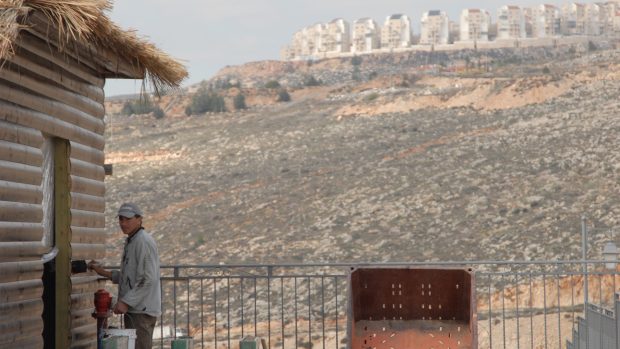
(336, 37)
(435, 28)
(455, 31)
(510, 23)
(528, 17)
(311, 44)
(366, 35)
(475, 25)
(396, 32)
(581, 19)
(607, 13)
(545, 21)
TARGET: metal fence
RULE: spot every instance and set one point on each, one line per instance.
(518, 304)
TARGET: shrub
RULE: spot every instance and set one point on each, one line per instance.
(188, 110)
(272, 84)
(127, 108)
(283, 96)
(239, 102)
(310, 80)
(205, 100)
(592, 46)
(158, 113)
(140, 106)
(371, 97)
(546, 70)
(356, 61)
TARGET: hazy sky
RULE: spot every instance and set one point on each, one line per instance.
(210, 34)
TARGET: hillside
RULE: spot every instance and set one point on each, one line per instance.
(406, 166)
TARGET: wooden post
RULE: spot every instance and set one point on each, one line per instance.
(62, 229)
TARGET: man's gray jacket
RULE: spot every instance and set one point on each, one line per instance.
(138, 280)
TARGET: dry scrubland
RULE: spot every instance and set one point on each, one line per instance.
(404, 167)
(444, 168)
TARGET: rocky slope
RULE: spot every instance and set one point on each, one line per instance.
(493, 166)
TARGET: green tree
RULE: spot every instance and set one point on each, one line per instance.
(239, 102)
(356, 61)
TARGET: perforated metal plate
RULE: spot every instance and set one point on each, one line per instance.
(410, 308)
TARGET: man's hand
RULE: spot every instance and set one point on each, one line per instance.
(97, 268)
(120, 307)
(94, 265)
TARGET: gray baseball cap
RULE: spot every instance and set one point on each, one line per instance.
(129, 210)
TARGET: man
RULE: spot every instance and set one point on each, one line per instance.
(139, 292)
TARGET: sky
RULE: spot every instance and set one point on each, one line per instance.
(207, 35)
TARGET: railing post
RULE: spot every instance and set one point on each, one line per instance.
(584, 257)
(174, 294)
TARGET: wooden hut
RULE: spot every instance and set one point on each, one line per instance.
(54, 58)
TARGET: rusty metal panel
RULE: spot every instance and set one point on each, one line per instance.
(411, 308)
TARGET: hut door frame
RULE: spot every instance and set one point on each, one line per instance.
(57, 273)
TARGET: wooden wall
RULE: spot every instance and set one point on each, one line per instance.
(46, 94)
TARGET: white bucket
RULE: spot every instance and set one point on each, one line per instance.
(130, 334)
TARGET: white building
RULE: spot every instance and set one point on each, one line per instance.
(475, 25)
(510, 23)
(336, 37)
(545, 21)
(607, 13)
(581, 19)
(435, 28)
(396, 32)
(593, 19)
(366, 35)
(312, 45)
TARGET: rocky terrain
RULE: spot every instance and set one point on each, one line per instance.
(499, 164)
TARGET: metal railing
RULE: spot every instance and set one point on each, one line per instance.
(529, 304)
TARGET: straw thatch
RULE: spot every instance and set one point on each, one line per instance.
(85, 21)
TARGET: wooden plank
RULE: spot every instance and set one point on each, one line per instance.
(18, 212)
(55, 93)
(87, 219)
(84, 169)
(20, 231)
(19, 173)
(17, 192)
(22, 154)
(58, 76)
(39, 48)
(86, 202)
(85, 235)
(62, 228)
(88, 251)
(10, 310)
(15, 133)
(50, 125)
(20, 291)
(86, 153)
(53, 108)
(87, 186)
(13, 271)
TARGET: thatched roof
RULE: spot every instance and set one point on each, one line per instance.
(85, 21)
